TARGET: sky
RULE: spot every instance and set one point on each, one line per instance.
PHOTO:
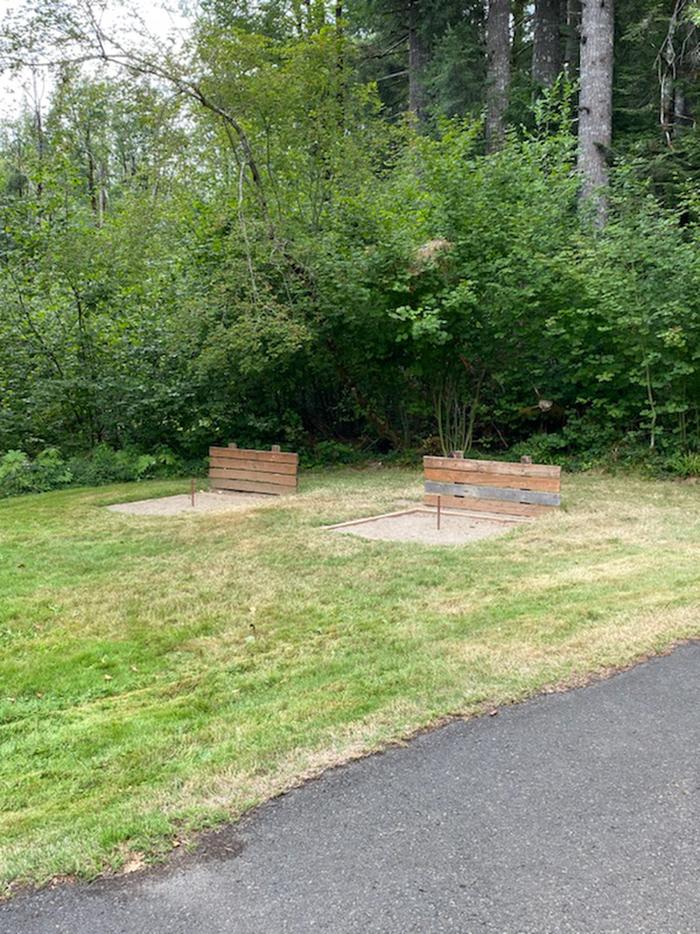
(161, 18)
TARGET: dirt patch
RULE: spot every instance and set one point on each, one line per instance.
(182, 503)
(420, 526)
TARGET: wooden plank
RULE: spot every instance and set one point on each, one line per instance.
(493, 467)
(277, 457)
(493, 493)
(233, 473)
(478, 514)
(506, 519)
(508, 481)
(384, 515)
(250, 486)
(456, 513)
(484, 505)
(273, 467)
(245, 454)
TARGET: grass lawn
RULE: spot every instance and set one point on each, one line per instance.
(160, 674)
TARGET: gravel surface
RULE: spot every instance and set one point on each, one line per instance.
(575, 812)
(204, 502)
(422, 527)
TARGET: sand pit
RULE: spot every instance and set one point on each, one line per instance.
(420, 526)
(203, 502)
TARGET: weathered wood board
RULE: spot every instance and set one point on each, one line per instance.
(236, 469)
(492, 486)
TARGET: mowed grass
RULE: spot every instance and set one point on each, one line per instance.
(160, 674)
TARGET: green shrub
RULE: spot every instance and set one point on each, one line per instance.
(14, 473)
(328, 453)
(19, 474)
(49, 470)
(543, 449)
(105, 465)
(684, 465)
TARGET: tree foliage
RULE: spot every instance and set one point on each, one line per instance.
(247, 240)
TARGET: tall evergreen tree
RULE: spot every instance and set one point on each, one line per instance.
(417, 58)
(498, 71)
(572, 27)
(547, 49)
(595, 103)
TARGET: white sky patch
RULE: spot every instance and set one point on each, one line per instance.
(165, 21)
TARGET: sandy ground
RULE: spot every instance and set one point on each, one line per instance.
(421, 527)
(204, 502)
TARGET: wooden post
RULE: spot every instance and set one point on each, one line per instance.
(525, 459)
(192, 489)
(232, 444)
(275, 449)
(439, 503)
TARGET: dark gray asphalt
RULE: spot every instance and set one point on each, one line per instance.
(573, 812)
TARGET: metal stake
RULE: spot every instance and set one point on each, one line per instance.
(192, 486)
(439, 500)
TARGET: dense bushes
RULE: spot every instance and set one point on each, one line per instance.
(20, 474)
(473, 297)
(398, 293)
(49, 470)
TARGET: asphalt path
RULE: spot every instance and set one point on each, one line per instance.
(572, 812)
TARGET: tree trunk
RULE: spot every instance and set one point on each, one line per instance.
(520, 18)
(595, 103)
(547, 43)
(340, 61)
(498, 71)
(417, 99)
(571, 14)
(40, 136)
(668, 63)
(676, 63)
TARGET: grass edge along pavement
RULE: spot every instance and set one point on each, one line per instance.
(160, 675)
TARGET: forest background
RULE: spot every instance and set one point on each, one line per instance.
(370, 228)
